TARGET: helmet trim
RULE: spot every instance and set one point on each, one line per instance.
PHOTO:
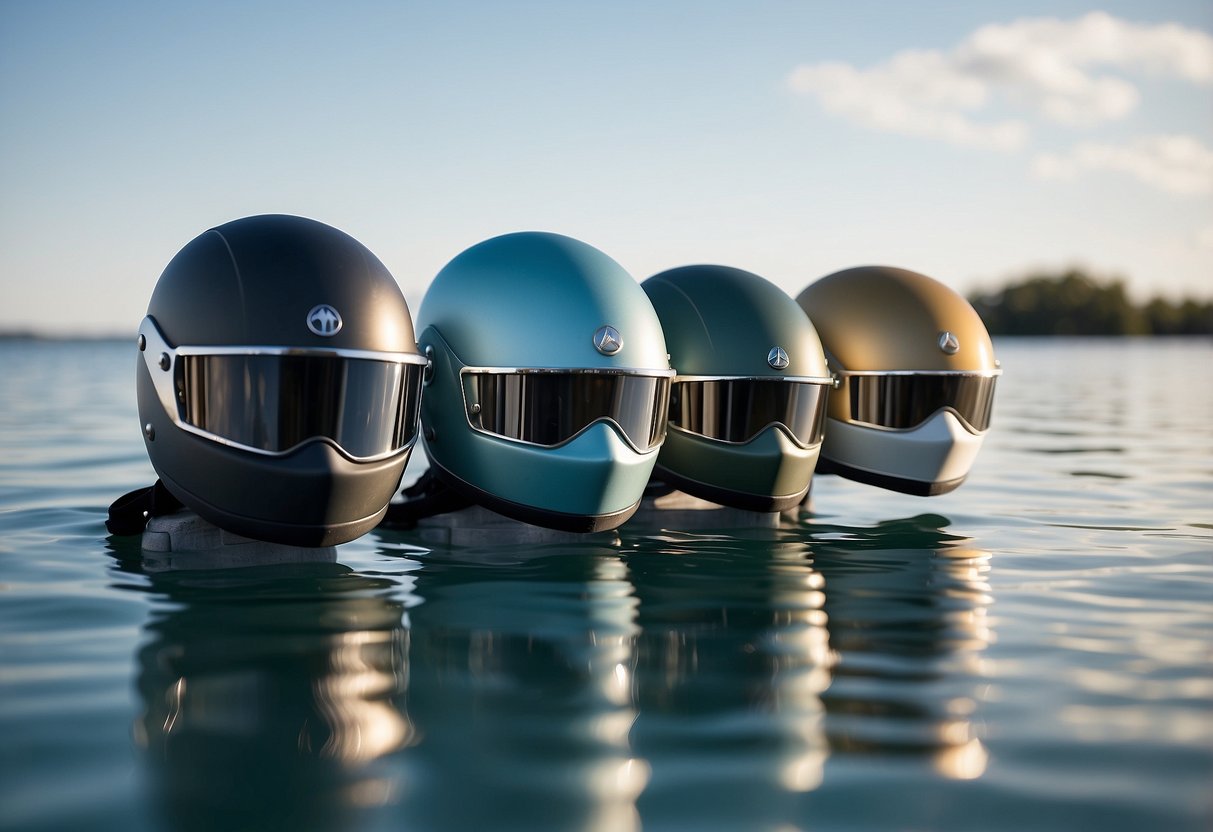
(602, 371)
(979, 373)
(903, 485)
(785, 430)
(830, 380)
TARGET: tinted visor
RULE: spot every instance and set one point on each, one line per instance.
(272, 403)
(549, 408)
(906, 400)
(738, 409)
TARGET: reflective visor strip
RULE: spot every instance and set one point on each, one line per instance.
(904, 400)
(271, 400)
(550, 407)
(736, 410)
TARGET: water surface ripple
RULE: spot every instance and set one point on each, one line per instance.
(1031, 651)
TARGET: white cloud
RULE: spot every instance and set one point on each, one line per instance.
(915, 94)
(1047, 66)
(1177, 164)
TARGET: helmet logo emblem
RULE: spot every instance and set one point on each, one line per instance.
(607, 340)
(777, 358)
(324, 320)
(949, 343)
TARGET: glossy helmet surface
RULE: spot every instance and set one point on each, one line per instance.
(550, 381)
(278, 380)
(748, 401)
(916, 372)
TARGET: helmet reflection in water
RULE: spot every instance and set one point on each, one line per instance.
(907, 602)
(748, 403)
(916, 373)
(278, 381)
(271, 695)
(521, 686)
(547, 397)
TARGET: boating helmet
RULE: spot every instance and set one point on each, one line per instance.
(916, 374)
(748, 403)
(278, 381)
(547, 397)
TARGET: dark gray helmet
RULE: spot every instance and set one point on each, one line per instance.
(279, 380)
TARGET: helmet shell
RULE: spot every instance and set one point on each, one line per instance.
(533, 300)
(252, 282)
(723, 322)
(886, 319)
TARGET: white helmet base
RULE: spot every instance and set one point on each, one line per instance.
(933, 458)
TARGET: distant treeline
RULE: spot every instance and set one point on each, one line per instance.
(1074, 303)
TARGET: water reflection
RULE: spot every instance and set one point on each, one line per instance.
(598, 687)
(522, 665)
(732, 660)
(269, 693)
(565, 685)
(907, 604)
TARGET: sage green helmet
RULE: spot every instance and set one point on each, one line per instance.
(916, 372)
(748, 403)
(548, 390)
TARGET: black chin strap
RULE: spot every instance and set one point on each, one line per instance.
(130, 512)
(424, 498)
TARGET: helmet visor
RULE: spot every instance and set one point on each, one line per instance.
(738, 409)
(550, 407)
(906, 400)
(273, 403)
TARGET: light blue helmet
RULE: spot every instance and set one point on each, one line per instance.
(748, 403)
(547, 396)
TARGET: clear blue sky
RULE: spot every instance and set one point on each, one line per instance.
(968, 140)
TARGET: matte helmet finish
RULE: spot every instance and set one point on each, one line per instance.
(751, 372)
(549, 384)
(278, 379)
(916, 373)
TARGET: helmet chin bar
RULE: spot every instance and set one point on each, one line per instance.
(767, 474)
(591, 483)
(933, 458)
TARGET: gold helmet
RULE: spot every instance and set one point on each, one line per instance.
(916, 372)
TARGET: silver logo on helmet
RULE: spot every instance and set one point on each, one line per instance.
(324, 320)
(777, 358)
(607, 340)
(949, 343)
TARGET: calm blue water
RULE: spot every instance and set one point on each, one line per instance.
(1033, 651)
